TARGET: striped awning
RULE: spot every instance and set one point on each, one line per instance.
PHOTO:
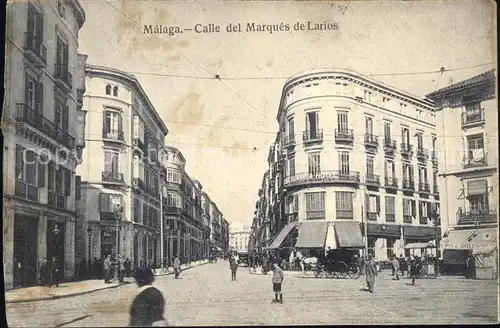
(312, 234)
(280, 238)
(349, 234)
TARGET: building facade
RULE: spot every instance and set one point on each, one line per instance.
(239, 237)
(466, 118)
(350, 148)
(43, 137)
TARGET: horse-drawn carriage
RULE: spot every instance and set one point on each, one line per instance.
(331, 269)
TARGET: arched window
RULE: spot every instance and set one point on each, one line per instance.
(108, 89)
(115, 91)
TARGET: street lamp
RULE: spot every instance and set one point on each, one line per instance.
(89, 232)
(118, 210)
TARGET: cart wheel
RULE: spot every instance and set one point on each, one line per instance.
(353, 275)
(341, 275)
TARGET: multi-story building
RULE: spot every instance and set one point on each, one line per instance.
(466, 123)
(42, 128)
(239, 237)
(353, 149)
(120, 178)
(225, 235)
(205, 205)
(216, 228)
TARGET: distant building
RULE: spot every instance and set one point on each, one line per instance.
(239, 237)
(467, 120)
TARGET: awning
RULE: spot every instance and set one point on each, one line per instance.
(383, 230)
(348, 234)
(312, 234)
(470, 239)
(422, 233)
(276, 243)
(420, 245)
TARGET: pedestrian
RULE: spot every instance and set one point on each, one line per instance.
(45, 273)
(107, 269)
(121, 263)
(264, 265)
(413, 270)
(152, 265)
(148, 305)
(402, 265)
(395, 266)
(278, 278)
(177, 267)
(371, 273)
(234, 268)
(357, 262)
(127, 267)
(54, 265)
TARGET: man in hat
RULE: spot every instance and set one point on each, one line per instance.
(371, 273)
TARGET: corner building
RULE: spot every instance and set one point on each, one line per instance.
(349, 149)
(42, 125)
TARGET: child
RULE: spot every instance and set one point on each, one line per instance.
(278, 278)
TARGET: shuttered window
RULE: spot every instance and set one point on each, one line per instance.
(314, 164)
(344, 205)
(315, 205)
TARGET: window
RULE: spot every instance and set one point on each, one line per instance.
(33, 96)
(473, 111)
(314, 164)
(405, 133)
(344, 205)
(112, 124)
(407, 210)
(369, 166)
(407, 172)
(387, 131)
(28, 165)
(423, 212)
(291, 166)
(477, 195)
(61, 119)
(291, 128)
(145, 214)
(34, 29)
(433, 143)
(111, 162)
(390, 209)
(422, 174)
(107, 202)
(173, 175)
(475, 148)
(389, 169)
(420, 140)
(137, 210)
(78, 185)
(343, 121)
(312, 124)
(344, 163)
(62, 57)
(108, 89)
(369, 125)
(115, 91)
(315, 205)
(173, 200)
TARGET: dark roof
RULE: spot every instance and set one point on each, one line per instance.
(478, 79)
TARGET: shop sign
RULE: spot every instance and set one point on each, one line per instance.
(465, 246)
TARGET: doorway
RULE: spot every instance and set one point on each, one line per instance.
(55, 246)
(25, 250)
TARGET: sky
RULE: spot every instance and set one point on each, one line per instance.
(224, 128)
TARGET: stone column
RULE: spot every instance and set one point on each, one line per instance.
(8, 244)
(69, 248)
(42, 241)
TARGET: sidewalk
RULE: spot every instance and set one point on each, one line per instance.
(68, 289)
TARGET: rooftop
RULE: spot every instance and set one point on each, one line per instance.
(473, 81)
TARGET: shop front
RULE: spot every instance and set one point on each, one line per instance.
(384, 240)
(471, 252)
(419, 234)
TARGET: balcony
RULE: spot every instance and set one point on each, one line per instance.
(136, 142)
(477, 217)
(112, 134)
(408, 185)
(289, 141)
(422, 154)
(371, 140)
(406, 149)
(26, 114)
(389, 147)
(112, 177)
(326, 177)
(138, 183)
(56, 200)
(434, 158)
(473, 119)
(311, 136)
(27, 191)
(35, 50)
(63, 77)
(172, 210)
(108, 216)
(344, 136)
(472, 161)
(372, 179)
(391, 183)
(424, 187)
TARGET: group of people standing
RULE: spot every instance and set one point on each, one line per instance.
(50, 273)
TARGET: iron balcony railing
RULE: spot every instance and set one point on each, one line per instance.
(113, 177)
(480, 216)
(406, 149)
(36, 119)
(344, 214)
(476, 117)
(136, 142)
(57, 200)
(470, 162)
(322, 177)
(389, 145)
(344, 135)
(391, 182)
(313, 135)
(108, 216)
(390, 217)
(371, 140)
(372, 179)
(408, 184)
(407, 219)
(422, 154)
(35, 45)
(423, 186)
(112, 134)
(172, 210)
(289, 140)
(61, 72)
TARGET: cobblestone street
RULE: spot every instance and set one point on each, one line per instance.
(206, 296)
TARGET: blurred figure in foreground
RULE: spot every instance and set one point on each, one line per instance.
(149, 304)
